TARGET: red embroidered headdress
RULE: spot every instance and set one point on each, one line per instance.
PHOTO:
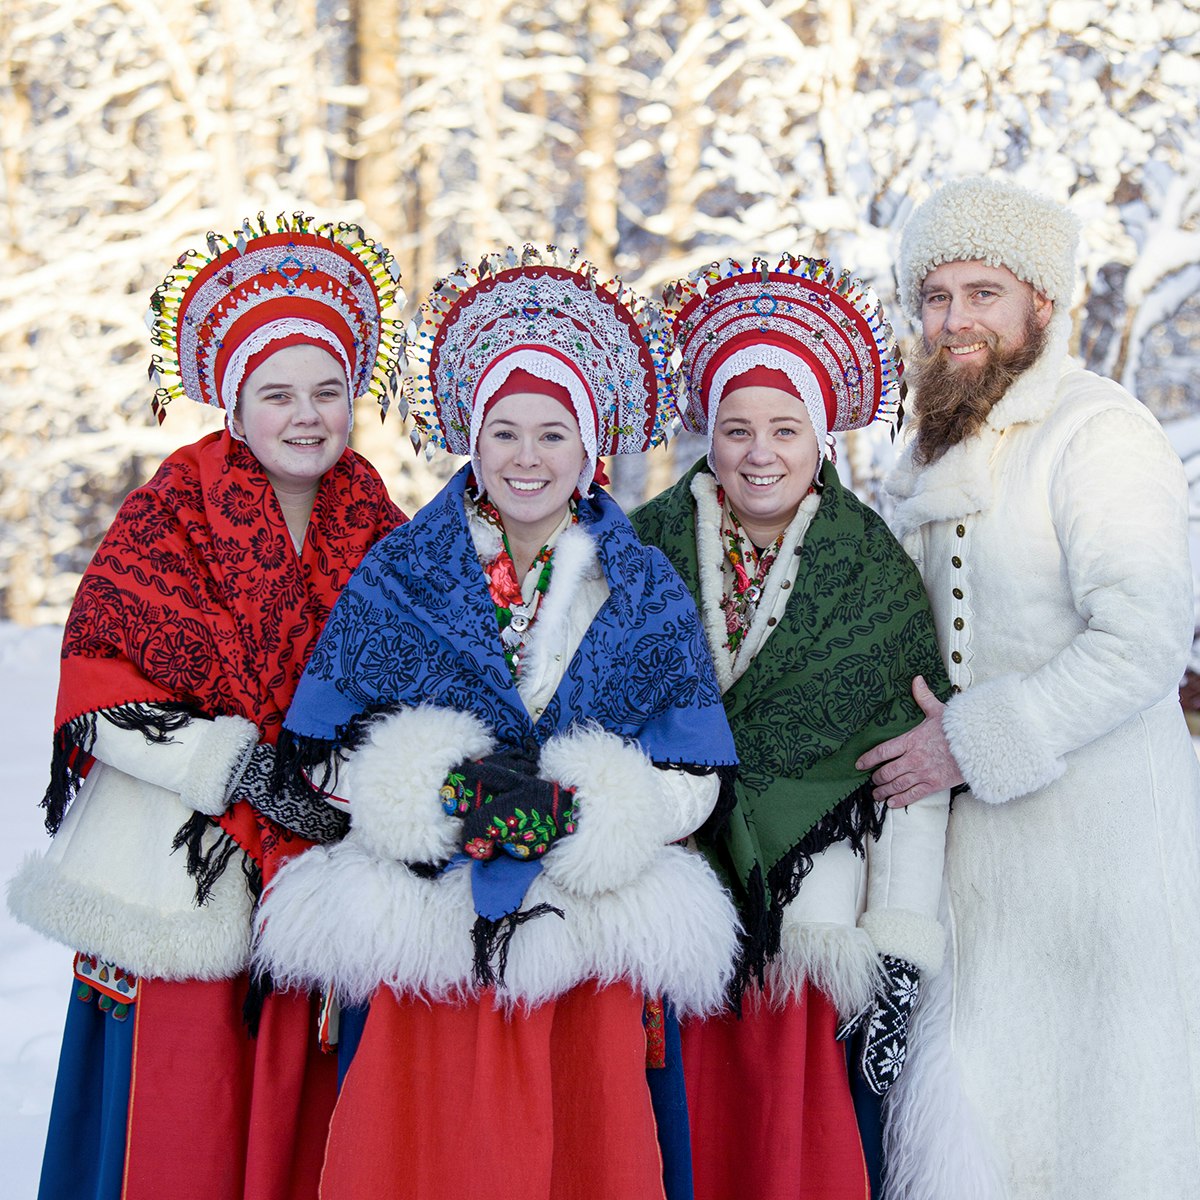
(601, 343)
(824, 329)
(218, 316)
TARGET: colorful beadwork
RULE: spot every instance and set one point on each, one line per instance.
(616, 342)
(113, 988)
(832, 320)
(750, 570)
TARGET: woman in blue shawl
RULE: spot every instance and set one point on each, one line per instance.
(514, 701)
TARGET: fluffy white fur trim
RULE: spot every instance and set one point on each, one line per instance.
(998, 223)
(577, 592)
(620, 818)
(217, 763)
(341, 915)
(672, 930)
(914, 937)
(839, 960)
(394, 781)
(999, 748)
(933, 1145)
(209, 942)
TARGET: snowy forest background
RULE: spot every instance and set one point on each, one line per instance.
(654, 136)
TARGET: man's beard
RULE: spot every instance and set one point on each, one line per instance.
(953, 402)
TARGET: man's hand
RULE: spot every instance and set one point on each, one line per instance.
(917, 763)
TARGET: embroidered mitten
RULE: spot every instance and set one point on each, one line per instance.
(884, 1025)
(507, 809)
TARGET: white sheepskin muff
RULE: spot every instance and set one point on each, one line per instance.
(998, 223)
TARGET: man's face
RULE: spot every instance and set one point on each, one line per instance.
(970, 312)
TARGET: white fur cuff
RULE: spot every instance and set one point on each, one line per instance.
(620, 822)
(917, 939)
(838, 960)
(394, 782)
(218, 761)
(999, 748)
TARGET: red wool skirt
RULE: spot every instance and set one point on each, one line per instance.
(459, 1101)
(769, 1105)
(215, 1114)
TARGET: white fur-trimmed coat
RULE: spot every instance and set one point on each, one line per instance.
(635, 907)
(1053, 544)
(109, 884)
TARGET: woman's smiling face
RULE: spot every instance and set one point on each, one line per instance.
(765, 455)
(294, 412)
(530, 457)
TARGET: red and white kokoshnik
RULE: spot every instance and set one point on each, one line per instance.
(825, 329)
(217, 316)
(603, 342)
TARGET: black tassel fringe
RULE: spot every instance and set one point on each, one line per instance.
(493, 939)
(77, 738)
(853, 820)
(207, 865)
(261, 986)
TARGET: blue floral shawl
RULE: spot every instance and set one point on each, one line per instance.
(416, 624)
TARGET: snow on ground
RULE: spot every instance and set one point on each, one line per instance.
(36, 980)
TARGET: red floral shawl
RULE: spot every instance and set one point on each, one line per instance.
(197, 600)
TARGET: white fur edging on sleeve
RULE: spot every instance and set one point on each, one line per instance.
(998, 747)
(216, 764)
(838, 960)
(917, 939)
(394, 781)
(619, 819)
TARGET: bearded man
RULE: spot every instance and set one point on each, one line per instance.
(1060, 1058)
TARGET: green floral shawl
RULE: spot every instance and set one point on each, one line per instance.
(833, 680)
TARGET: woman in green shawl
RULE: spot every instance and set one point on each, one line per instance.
(817, 622)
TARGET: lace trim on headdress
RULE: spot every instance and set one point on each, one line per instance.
(791, 365)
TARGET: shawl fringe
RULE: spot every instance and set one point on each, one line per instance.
(75, 740)
(260, 987)
(207, 864)
(750, 961)
(492, 939)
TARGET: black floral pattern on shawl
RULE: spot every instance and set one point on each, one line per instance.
(416, 625)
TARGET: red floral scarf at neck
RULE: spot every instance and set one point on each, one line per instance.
(517, 601)
(197, 601)
(744, 571)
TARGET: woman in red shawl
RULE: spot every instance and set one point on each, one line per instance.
(187, 637)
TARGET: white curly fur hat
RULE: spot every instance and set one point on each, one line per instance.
(998, 223)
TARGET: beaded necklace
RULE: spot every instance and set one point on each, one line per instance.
(515, 614)
(740, 600)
